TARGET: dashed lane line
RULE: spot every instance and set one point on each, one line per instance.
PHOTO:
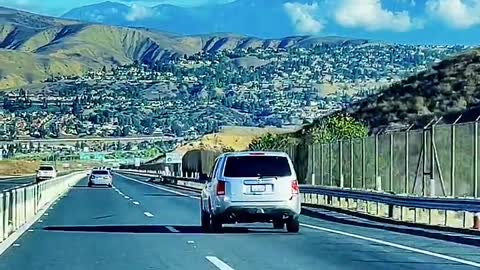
(218, 263)
(161, 188)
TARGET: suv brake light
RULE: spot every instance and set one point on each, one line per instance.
(257, 154)
(221, 188)
(295, 189)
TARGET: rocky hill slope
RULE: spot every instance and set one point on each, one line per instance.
(448, 89)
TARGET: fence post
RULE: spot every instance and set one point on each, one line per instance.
(2, 218)
(340, 162)
(351, 164)
(452, 155)
(391, 163)
(378, 179)
(432, 157)
(475, 159)
(321, 164)
(363, 163)
(407, 150)
(330, 163)
(313, 164)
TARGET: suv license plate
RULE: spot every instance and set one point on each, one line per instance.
(257, 188)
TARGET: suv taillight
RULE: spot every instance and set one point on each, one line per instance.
(295, 189)
(221, 188)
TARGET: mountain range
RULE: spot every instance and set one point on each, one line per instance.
(34, 47)
(246, 17)
(399, 21)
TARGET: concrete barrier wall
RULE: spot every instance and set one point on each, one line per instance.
(19, 206)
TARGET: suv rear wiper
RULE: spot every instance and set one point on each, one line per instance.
(263, 177)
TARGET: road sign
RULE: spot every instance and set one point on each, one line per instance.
(173, 158)
(137, 162)
(85, 156)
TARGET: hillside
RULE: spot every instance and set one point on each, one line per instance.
(448, 89)
(34, 47)
(234, 137)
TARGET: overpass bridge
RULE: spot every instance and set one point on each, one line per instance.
(139, 224)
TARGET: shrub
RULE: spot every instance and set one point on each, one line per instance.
(325, 130)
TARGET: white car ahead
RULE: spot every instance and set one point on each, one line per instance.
(46, 172)
(100, 177)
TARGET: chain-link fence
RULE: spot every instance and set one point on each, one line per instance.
(409, 162)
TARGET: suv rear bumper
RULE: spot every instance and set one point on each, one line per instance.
(242, 212)
(43, 177)
(100, 182)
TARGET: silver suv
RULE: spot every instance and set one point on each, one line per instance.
(247, 187)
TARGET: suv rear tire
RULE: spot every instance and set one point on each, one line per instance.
(205, 221)
(293, 225)
(215, 224)
(278, 225)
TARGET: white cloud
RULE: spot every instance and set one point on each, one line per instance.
(460, 14)
(138, 12)
(302, 16)
(370, 14)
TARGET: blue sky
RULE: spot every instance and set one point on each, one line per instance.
(404, 21)
(57, 8)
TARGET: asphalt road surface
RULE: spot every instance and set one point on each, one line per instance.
(8, 183)
(142, 226)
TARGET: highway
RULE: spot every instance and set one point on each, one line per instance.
(138, 225)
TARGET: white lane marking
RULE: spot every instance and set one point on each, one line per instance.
(148, 214)
(16, 245)
(390, 244)
(161, 188)
(126, 197)
(136, 203)
(191, 242)
(218, 263)
(121, 193)
(172, 229)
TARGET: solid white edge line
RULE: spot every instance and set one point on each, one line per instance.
(148, 214)
(390, 244)
(172, 229)
(218, 263)
(158, 187)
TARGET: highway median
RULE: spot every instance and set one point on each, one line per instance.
(20, 207)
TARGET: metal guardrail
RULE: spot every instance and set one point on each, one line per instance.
(19, 205)
(452, 204)
(376, 203)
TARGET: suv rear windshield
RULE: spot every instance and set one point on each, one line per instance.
(101, 172)
(257, 166)
(45, 168)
